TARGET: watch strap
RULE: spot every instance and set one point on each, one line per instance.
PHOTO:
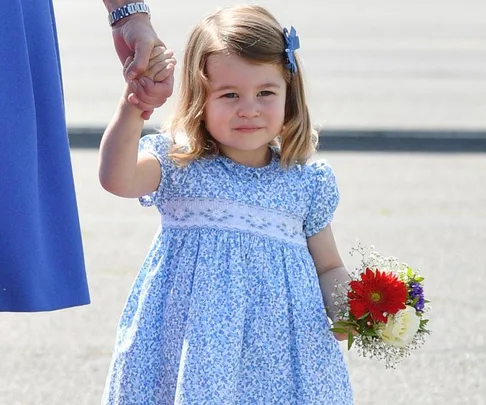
(127, 10)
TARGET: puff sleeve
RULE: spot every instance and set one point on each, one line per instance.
(159, 146)
(324, 199)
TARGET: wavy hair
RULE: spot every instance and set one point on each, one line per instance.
(252, 33)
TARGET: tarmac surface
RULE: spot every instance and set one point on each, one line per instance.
(378, 68)
(426, 209)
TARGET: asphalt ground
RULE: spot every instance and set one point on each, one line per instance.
(428, 210)
(374, 70)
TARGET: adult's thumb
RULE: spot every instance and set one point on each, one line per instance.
(141, 57)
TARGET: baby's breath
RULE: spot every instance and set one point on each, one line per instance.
(368, 341)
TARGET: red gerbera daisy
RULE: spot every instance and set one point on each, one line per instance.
(377, 293)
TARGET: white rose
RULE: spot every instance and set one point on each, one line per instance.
(400, 328)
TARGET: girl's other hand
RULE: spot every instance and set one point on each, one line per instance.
(344, 336)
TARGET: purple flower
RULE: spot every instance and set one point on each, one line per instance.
(417, 291)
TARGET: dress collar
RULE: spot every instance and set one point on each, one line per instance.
(244, 170)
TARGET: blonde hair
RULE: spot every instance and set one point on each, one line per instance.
(252, 33)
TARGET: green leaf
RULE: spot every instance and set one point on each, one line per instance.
(343, 324)
(369, 332)
(363, 316)
(410, 272)
(339, 330)
(350, 339)
(419, 279)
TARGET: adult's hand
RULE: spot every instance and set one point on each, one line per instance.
(134, 36)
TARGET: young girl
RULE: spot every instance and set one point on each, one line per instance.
(228, 307)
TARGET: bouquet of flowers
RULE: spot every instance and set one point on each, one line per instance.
(382, 309)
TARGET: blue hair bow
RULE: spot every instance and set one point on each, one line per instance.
(292, 43)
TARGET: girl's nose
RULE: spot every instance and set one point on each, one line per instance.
(248, 109)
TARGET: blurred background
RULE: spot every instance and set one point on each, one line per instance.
(398, 91)
(375, 65)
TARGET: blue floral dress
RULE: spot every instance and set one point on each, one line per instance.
(226, 309)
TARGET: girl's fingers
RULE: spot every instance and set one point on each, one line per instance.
(157, 51)
(160, 71)
(161, 75)
(159, 65)
(160, 57)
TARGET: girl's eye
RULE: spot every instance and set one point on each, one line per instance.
(266, 93)
(230, 95)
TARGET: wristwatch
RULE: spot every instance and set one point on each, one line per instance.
(128, 9)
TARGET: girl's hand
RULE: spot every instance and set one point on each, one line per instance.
(157, 80)
(344, 336)
(341, 336)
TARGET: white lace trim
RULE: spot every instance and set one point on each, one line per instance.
(231, 215)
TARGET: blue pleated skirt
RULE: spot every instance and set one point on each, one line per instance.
(41, 254)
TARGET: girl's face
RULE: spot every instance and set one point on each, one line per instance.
(245, 109)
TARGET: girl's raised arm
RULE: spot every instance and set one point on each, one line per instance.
(122, 170)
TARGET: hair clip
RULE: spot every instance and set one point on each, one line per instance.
(292, 43)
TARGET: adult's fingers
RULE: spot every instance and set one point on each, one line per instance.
(128, 60)
(141, 57)
(142, 38)
(135, 36)
(144, 114)
(147, 114)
